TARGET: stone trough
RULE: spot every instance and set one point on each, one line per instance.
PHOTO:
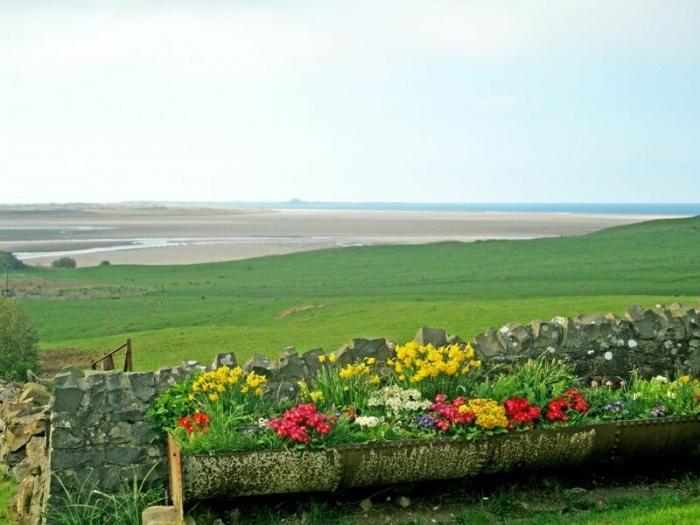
(267, 472)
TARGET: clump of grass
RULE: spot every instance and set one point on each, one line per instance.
(538, 380)
(89, 506)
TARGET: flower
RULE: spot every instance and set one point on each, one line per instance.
(660, 379)
(447, 413)
(572, 399)
(254, 382)
(225, 378)
(198, 422)
(316, 396)
(396, 400)
(417, 362)
(684, 379)
(520, 411)
(296, 423)
(615, 407)
(363, 368)
(322, 358)
(489, 413)
(368, 421)
(594, 384)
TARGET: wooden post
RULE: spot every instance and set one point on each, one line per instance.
(128, 364)
(175, 467)
(109, 363)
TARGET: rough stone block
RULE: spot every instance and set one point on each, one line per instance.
(311, 359)
(434, 336)
(160, 515)
(259, 364)
(224, 359)
(125, 455)
(67, 399)
(35, 393)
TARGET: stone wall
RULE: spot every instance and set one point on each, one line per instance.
(99, 434)
(24, 416)
(659, 341)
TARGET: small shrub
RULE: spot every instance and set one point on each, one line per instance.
(105, 263)
(18, 341)
(8, 260)
(64, 262)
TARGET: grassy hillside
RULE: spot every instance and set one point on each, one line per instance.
(326, 297)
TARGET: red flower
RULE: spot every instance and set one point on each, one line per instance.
(446, 413)
(296, 422)
(520, 411)
(572, 399)
(199, 422)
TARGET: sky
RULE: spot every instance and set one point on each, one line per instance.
(397, 101)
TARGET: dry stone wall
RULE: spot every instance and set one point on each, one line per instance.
(99, 434)
(24, 415)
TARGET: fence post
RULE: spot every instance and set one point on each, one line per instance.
(128, 365)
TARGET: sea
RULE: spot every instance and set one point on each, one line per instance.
(666, 209)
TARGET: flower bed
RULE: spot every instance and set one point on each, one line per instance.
(425, 413)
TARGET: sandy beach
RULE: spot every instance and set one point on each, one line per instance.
(182, 235)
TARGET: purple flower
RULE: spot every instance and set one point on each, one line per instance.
(427, 422)
(615, 407)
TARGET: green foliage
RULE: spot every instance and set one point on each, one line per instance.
(172, 404)
(64, 262)
(338, 392)
(368, 291)
(105, 263)
(89, 506)
(18, 341)
(538, 380)
(231, 429)
(8, 260)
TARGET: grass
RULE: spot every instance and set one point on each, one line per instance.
(325, 298)
(7, 490)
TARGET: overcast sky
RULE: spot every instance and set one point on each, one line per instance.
(427, 101)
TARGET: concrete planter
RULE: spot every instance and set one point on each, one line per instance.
(357, 465)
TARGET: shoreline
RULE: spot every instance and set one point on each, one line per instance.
(188, 235)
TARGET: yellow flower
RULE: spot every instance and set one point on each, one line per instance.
(331, 358)
(371, 360)
(489, 413)
(316, 396)
(420, 362)
(684, 379)
(322, 358)
(213, 397)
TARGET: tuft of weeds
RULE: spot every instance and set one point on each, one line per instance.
(89, 506)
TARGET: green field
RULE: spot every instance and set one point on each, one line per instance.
(325, 298)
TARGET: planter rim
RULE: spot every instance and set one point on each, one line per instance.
(395, 443)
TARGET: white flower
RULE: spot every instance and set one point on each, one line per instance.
(368, 421)
(671, 395)
(660, 379)
(263, 423)
(608, 356)
(395, 399)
